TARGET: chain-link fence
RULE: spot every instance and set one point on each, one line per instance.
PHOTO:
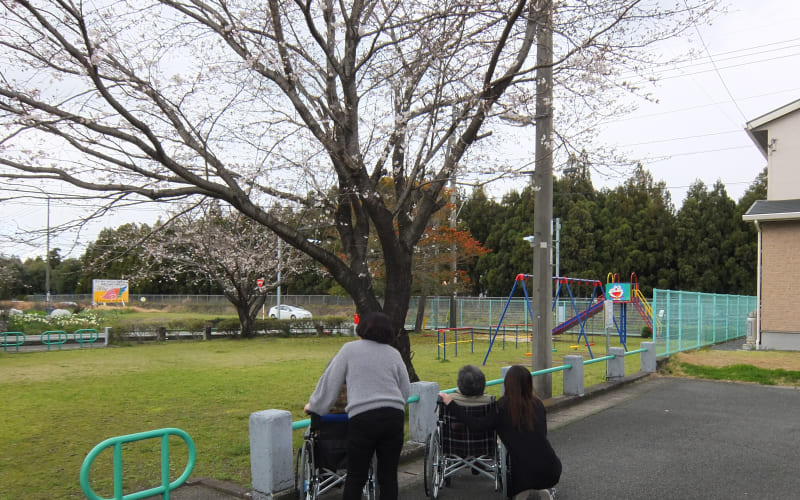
(689, 320)
(682, 320)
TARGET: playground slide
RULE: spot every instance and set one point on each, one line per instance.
(583, 316)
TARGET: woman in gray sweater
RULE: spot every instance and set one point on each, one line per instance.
(377, 391)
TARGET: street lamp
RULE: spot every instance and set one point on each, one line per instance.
(530, 239)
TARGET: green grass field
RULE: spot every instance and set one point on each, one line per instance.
(58, 405)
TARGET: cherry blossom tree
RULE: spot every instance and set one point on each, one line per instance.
(226, 248)
(307, 106)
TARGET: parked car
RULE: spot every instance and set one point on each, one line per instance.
(289, 312)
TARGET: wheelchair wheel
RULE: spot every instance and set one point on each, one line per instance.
(305, 475)
(433, 465)
(371, 490)
(504, 474)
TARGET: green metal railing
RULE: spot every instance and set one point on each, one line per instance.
(302, 424)
(17, 342)
(692, 320)
(117, 442)
(79, 336)
(61, 338)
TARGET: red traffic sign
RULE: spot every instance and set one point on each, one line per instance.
(260, 282)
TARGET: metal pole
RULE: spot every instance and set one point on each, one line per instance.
(280, 244)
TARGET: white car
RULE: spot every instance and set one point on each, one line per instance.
(288, 312)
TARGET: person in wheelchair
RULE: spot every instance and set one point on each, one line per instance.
(521, 423)
(471, 384)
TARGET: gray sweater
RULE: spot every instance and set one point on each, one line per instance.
(375, 374)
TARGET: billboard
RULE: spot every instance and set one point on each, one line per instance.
(109, 291)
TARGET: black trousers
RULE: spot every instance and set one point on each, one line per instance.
(378, 432)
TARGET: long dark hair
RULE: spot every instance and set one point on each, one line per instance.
(519, 396)
(376, 326)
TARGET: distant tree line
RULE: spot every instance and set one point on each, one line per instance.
(704, 246)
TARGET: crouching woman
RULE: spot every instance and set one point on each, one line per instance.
(521, 424)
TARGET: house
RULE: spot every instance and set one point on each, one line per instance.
(777, 136)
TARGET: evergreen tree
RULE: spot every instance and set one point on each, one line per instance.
(575, 203)
(704, 224)
(741, 264)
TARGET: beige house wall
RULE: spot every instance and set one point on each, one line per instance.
(780, 277)
(784, 158)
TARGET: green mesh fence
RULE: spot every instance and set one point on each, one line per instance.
(690, 320)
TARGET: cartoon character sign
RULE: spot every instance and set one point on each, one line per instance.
(618, 292)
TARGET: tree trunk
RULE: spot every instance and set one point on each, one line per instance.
(419, 321)
(246, 319)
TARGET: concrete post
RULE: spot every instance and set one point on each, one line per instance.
(270, 452)
(107, 334)
(503, 372)
(573, 377)
(649, 357)
(422, 414)
(615, 368)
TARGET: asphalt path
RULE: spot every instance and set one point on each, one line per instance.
(658, 438)
(679, 439)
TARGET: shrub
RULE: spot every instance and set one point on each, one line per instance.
(647, 332)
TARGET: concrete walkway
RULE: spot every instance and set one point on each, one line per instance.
(658, 437)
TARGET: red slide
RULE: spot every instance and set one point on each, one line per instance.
(580, 318)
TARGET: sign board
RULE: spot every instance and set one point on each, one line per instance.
(608, 309)
(109, 291)
(618, 292)
(260, 283)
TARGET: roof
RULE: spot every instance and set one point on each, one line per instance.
(763, 210)
(755, 126)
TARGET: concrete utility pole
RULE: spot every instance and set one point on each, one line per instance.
(543, 201)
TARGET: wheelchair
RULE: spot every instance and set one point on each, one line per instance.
(321, 462)
(452, 447)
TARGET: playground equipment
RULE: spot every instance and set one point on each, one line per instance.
(563, 286)
(442, 343)
(618, 293)
(624, 294)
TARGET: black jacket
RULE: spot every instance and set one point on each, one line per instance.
(534, 463)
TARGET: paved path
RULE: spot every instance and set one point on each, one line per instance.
(672, 438)
(659, 438)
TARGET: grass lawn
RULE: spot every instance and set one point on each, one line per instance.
(58, 405)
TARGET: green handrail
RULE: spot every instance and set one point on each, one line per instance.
(117, 442)
(16, 343)
(61, 338)
(597, 360)
(301, 424)
(78, 336)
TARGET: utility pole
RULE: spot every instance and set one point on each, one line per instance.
(453, 247)
(47, 263)
(543, 201)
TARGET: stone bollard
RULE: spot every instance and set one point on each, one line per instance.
(422, 414)
(573, 377)
(649, 357)
(270, 452)
(107, 332)
(503, 372)
(615, 368)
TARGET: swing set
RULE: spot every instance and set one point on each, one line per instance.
(614, 291)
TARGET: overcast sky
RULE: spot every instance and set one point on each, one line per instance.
(694, 131)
